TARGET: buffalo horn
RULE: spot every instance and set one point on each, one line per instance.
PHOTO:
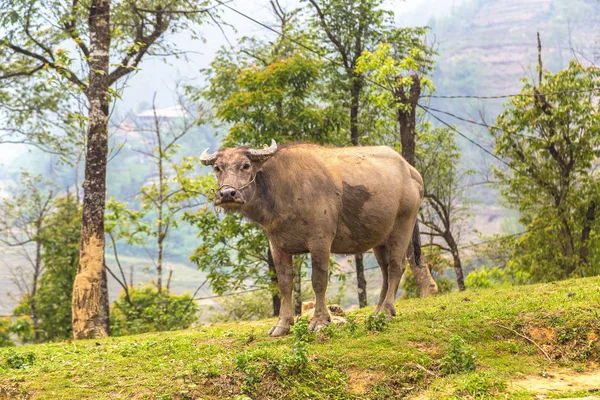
(262, 155)
(208, 159)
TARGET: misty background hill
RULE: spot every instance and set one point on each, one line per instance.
(484, 47)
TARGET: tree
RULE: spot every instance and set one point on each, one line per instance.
(550, 139)
(165, 197)
(23, 221)
(350, 27)
(446, 206)
(262, 91)
(99, 29)
(399, 71)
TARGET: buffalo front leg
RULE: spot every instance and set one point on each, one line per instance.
(284, 271)
(320, 266)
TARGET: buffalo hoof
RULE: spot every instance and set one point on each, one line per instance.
(278, 330)
(316, 325)
(388, 309)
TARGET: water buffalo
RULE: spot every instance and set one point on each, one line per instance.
(322, 200)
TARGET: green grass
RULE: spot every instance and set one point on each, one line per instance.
(238, 360)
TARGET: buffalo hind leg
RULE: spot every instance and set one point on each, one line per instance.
(383, 259)
(284, 271)
(320, 266)
(398, 242)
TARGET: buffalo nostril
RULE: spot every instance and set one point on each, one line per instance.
(233, 193)
(221, 193)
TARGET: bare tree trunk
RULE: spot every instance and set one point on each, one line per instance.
(356, 86)
(407, 121)
(460, 279)
(90, 291)
(36, 275)
(568, 248)
(361, 280)
(298, 289)
(590, 217)
(276, 297)
(160, 236)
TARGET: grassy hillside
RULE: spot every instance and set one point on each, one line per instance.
(510, 329)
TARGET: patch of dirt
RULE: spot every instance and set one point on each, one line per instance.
(542, 335)
(13, 392)
(360, 380)
(424, 347)
(224, 342)
(560, 381)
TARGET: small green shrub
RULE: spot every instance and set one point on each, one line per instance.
(330, 331)
(301, 331)
(241, 361)
(298, 359)
(351, 325)
(5, 326)
(207, 370)
(16, 360)
(149, 311)
(445, 285)
(376, 323)
(246, 307)
(459, 358)
(493, 277)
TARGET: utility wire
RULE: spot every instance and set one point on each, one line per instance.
(506, 96)
(339, 64)
(465, 136)
(470, 121)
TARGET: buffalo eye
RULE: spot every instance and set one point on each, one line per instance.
(217, 169)
(246, 166)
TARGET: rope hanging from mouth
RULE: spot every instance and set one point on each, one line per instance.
(215, 191)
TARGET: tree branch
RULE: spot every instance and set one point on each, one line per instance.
(69, 74)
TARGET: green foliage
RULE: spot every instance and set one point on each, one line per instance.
(491, 277)
(459, 358)
(276, 101)
(208, 371)
(297, 360)
(351, 325)
(244, 307)
(445, 285)
(22, 327)
(376, 322)
(150, 311)
(61, 246)
(5, 339)
(550, 142)
(391, 66)
(19, 360)
(301, 332)
(232, 251)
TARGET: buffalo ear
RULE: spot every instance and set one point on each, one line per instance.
(263, 154)
(208, 159)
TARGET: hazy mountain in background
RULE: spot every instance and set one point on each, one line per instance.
(485, 47)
